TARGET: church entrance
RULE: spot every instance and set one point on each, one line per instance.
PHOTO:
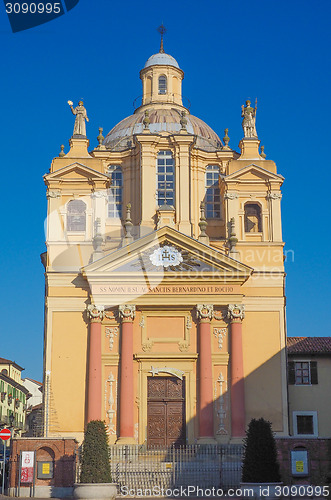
(165, 411)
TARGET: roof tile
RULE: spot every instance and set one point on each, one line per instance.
(309, 345)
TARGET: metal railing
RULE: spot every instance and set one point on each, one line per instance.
(205, 466)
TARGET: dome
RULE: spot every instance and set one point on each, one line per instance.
(163, 59)
(161, 120)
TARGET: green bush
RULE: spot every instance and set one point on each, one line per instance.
(260, 463)
(95, 467)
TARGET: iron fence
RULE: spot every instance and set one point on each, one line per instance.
(206, 466)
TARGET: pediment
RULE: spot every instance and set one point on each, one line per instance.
(254, 172)
(197, 261)
(76, 171)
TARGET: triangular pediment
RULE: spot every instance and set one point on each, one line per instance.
(76, 171)
(254, 172)
(193, 260)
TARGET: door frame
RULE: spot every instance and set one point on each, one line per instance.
(166, 402)
(186, 363)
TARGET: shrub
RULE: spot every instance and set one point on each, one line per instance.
(260, 463)
(95, 467)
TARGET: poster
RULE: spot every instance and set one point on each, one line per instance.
(27, 466)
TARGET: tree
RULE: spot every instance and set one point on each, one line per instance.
(260, 463)
(95, 467)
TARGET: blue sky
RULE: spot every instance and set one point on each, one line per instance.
(275, 50)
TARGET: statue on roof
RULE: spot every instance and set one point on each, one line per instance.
(249, 116)
(81, 116)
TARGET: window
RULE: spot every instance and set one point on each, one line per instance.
(213, 196)
(115, 196)
(162, 84)
(253, 219)
(302, 372)
(76, 216)
(165, 179)
(305, 423)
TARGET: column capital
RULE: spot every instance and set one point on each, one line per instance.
(236, 312)
(95, 313)
(204, 312)
(126, 312)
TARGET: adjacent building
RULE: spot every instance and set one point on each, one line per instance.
(309, 378)
(13, 396)
(34, 413)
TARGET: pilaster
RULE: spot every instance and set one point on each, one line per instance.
(95, 315)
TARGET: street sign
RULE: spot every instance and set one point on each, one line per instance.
(5, 434)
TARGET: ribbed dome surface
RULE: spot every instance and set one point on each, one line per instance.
(161, 58)
(161, 120)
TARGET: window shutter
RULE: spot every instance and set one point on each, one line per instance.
(291, 373)
(313, 372)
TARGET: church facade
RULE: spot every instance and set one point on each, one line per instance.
(164, 297)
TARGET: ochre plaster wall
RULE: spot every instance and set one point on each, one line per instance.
(68, 373)
(262, 367)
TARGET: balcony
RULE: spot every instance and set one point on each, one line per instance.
(9, 422)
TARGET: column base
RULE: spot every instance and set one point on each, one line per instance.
(206, 440)
(126, 440)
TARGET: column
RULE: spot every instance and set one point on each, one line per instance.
(206, 410)
(126, 417)
(95, 315)
(236, 314)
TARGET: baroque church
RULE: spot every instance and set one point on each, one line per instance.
(164, 296)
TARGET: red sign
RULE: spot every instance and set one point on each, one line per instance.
(27, 475)
(5, 434)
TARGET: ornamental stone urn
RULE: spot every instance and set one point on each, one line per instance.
(260, 471)
(95, 475)
(95, 491)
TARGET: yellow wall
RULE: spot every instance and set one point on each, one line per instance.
(262, 368)
(68, 373)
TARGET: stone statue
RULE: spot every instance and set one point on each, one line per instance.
(249, 115)
(81, 116)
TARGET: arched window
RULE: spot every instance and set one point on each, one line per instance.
(76, 215)
(115, 193)
(165, 178)
(162, 84)
(213, 196)
(253, 219)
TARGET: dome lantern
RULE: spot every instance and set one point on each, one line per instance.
(162, 78)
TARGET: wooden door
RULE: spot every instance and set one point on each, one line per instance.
(165, 411)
